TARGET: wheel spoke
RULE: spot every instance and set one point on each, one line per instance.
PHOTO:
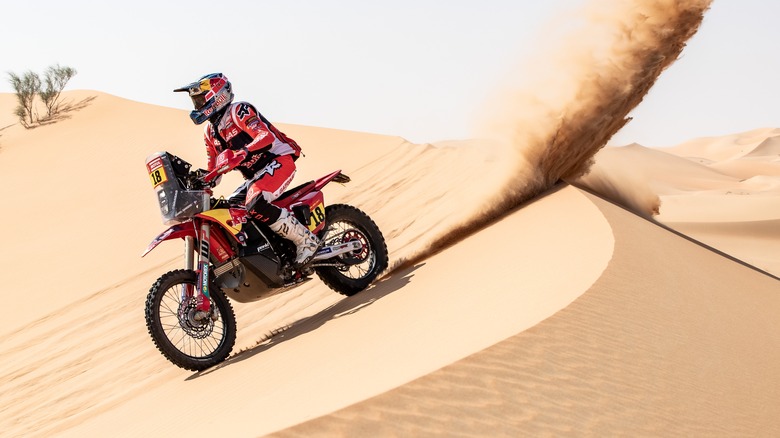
(170, 318)
(194, 339)
(342, 231)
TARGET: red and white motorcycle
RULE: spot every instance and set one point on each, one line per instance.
(226, 254)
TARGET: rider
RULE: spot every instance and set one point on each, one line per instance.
(238, 136)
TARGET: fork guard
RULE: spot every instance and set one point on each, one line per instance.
(175, 232)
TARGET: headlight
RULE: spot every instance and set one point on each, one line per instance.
(163, 202)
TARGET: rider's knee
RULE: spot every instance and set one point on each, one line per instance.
(260, 209)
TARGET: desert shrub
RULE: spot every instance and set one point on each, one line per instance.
(25, 87)
(55, 79)
(28, 85)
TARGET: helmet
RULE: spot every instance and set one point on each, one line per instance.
(209, 94)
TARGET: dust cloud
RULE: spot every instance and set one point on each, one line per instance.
(563, 105)
(625, 186)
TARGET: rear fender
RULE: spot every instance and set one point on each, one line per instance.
(337, 176)
(186, 229)
(294, 196)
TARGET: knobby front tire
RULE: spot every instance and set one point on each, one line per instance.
(189, 344)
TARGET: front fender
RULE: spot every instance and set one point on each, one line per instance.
(174, 232)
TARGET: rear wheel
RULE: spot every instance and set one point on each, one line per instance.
(189, 344)
(352, 272)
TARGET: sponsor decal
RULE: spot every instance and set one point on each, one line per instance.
(242, 111)
(251, 162)
(255, 126)
(230, 133)
(252, 122)
(220, 100)
(204, 272)
(154, 164)
(251, 193)
(271, 167)
(284, 186)
(237, 216)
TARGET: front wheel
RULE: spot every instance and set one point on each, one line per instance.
(188, 343)
(352, 272)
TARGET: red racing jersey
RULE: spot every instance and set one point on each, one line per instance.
(242, 126)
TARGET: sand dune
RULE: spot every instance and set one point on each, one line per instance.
(7, 119)
(95, 283)
(567, 314)
(331, 359)
(730, 147)
(649, 350)
(722, 191)
(525, 305)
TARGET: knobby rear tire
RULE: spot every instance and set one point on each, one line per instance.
(353, 277)
(171, 334)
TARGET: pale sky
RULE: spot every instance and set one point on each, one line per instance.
(420, 69)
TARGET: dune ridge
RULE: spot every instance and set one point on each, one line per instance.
(721, 191)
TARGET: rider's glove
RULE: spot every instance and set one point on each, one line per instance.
(230, 159)
(199, 176)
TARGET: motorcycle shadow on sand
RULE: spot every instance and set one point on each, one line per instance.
(396, 280)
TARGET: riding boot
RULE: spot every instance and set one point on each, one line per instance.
(305, 241)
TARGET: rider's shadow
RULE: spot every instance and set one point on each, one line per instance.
(345, 307)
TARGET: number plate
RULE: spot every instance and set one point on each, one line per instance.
(156, 172)
(317, 216)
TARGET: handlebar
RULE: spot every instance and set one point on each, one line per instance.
(201, 179)
(211, 176)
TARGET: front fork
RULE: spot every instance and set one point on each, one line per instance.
(189, 253)
(202, 287)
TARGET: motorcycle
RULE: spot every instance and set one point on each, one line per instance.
(229, 255)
